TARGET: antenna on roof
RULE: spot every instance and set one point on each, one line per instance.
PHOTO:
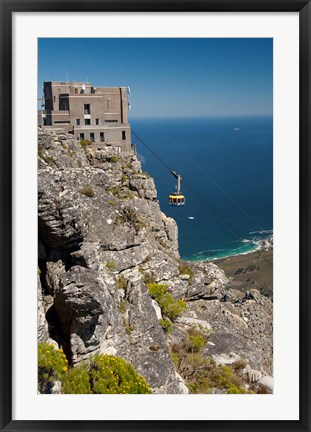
(67, 74)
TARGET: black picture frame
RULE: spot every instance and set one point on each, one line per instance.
(7, 9)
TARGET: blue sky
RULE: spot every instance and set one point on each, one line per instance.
(169, 77)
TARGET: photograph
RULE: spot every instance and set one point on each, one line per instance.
(155, 216)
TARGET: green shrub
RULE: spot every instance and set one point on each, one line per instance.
(166, 325)
(114, 159)
(201, 386)
(40, 149)
(198, 343)
(77, 381)
(175, 358)
(170, 307)
(236, 390)
(130, 216)
(123, 178)
(122, 306)
(115, 191)
(201, 373)
(111, 265)
(84, 143)
(195, 342)
(187, 270)
(52, 366)
(157, 290)
(103, 374)
(112, 203)
(224, 377)
(112, 375)
(48, 159)
(121, 282)
(87, 190)
(128, 329)
(118, 193)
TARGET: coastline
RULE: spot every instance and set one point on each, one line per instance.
(248, 247)
(252, 270)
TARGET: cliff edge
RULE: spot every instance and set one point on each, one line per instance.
(103, 241)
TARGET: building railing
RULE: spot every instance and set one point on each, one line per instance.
(102, 126)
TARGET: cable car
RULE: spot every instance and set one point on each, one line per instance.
(176, 199)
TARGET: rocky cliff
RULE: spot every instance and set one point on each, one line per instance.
(102, 238)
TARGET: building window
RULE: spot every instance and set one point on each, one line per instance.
(124, 135)
(62, 122)
(87, 109)
(111, 121)
(92, 137)
(118, 149)
(81, 136)
(97, 122)
(87, 122)
(78, 122)
(102, 136)
(64, 102)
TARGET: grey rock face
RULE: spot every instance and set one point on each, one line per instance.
(267, 383)
(98, 223)
(79, 305)
(240, 329)
(43, 331)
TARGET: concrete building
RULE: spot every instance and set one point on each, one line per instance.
(96, 114)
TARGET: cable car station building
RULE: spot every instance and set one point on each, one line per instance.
(96, 114)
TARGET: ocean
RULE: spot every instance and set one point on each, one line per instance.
(227, 169)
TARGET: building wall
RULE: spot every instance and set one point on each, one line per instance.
(112, 136)
(100, 114)
(102, 107)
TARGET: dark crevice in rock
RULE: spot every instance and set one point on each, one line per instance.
(61, 318)
(77, 261)
(113, 249)
(86, 332)
(57, 332)
(201, 297)
(65, 255)
(42, 267)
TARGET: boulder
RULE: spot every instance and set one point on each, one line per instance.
(267, 383)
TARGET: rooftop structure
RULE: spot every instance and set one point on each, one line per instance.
(89, 113)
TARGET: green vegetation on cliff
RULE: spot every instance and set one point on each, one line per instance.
(103, 374)
(170, 307)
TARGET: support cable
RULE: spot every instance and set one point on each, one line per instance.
(189, 188)
(188, 158)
